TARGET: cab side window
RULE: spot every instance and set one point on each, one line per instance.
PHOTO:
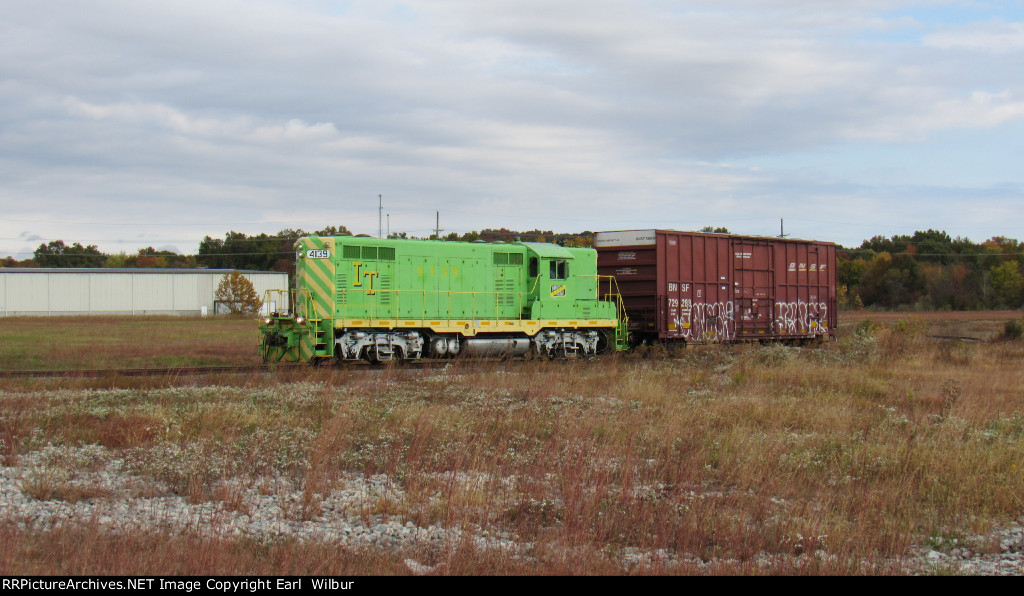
(559, 269)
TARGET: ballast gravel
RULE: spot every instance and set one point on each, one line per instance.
(275, 508)
(278, 511)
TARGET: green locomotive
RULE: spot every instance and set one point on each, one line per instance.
(380, 300)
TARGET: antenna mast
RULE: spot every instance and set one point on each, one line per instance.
(380, 214)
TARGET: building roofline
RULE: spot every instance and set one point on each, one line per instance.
(147, 270)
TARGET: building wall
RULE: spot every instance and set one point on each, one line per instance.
(27, 292)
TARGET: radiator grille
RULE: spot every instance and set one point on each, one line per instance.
(502, 259)
(506, 289)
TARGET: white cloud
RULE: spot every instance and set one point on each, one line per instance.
(979, 110)
(536, 110)
(237, 128)
(993, 37)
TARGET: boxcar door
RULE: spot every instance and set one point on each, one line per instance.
(752, 287)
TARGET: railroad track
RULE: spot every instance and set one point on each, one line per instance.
(142, 372)
(212, 370)
(347, 365)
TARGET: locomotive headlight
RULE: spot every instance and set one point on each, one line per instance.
(267, 321)
(300, 320)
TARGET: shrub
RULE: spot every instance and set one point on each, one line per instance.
(774, 354)
(868, 328)
(1013, 329)
(957, 352)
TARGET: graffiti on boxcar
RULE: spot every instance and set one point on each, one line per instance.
(800, 318)
(707, 321)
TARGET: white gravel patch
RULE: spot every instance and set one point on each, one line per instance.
(349, 515)
(267, 508)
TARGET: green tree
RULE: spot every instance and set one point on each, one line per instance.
(849, 271)
(932, 246)
(890, 281)
(58, 254)
(237, 294)
(118, 261)
(239, 251)
(1007, 283)
(328, 231)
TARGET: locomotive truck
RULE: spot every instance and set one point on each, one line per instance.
(397, 299)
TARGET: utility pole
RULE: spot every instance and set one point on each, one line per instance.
(389, 225)
(380, 212)
(437, 227)
(782, 233)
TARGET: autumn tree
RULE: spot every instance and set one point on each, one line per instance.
(238, 295)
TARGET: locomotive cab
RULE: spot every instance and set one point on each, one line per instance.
(552, 287)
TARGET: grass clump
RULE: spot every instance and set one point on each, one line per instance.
(1013, 330)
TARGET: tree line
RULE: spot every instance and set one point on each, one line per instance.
(260, 252)
(928, 270)
(932, 271)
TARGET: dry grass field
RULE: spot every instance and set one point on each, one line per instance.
(100, 342)
(982, 325)
(855, 457)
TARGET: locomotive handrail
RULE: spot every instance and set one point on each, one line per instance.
(373, 306)
(268, 298)
(621, 333)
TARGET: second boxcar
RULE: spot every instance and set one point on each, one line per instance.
(704, 287)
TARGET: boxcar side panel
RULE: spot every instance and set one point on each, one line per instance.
(703, 287)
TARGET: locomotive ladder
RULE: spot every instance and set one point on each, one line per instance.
(319, 337)
(622, 320)
(314, 322)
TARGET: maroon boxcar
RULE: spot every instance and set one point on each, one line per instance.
(701, 287)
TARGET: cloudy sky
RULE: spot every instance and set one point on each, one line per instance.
(133, 123)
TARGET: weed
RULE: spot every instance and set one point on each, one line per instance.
(957, 352)
(50, 484)
(1013, 330)
(774, 354)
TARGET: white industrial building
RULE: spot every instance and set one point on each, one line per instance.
(31, 291)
